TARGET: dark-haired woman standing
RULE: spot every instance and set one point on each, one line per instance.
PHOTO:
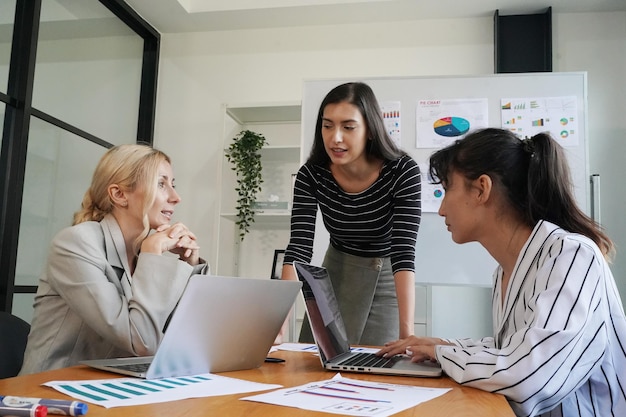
(559, 341)
(368, 192)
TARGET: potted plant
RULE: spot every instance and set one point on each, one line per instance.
(244, 154)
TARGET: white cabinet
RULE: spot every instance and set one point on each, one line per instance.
(280, 159)
(421, 324)
(460, 311)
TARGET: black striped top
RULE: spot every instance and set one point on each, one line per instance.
(381, 221)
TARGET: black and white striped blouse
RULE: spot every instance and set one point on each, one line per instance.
(560, 335)
(381, 221)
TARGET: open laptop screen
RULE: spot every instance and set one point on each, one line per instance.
(323, 311)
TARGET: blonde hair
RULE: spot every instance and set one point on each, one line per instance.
(131, 167)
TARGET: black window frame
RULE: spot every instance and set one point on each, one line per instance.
(18, 113)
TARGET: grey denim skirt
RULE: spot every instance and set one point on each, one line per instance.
(366, 294)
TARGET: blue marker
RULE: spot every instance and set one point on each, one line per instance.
(61, 407)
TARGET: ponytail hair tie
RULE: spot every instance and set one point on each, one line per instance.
(529, 146)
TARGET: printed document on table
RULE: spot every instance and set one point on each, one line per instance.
(308, 347)
(351, 397)
(120, 392)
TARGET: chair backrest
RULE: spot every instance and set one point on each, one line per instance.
(13, 337)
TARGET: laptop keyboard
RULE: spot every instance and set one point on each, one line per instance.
(134, 367)
(370, 360)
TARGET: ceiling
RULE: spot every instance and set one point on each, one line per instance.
(173, 16)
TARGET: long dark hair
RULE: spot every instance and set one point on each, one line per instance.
(532, 173)
(360, 95)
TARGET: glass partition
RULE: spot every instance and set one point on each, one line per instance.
(2, 111)
(86, 87)
(23, 306)
(7, 14)
(88, 69)
(59, 166)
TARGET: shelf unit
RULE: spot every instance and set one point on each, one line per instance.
(280, 158)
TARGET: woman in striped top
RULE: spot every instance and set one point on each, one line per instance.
(559, 343)
(368, 192)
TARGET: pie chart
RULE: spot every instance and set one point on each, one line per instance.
(451, 126)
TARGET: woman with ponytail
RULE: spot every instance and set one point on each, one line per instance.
(559, 339)
(108, 287)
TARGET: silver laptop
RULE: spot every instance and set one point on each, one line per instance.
(220, 324)
(330, 335)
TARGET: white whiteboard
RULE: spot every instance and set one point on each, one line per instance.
(440, 261)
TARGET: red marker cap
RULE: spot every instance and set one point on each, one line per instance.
(40, 411)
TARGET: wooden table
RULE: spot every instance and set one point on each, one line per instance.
(300, 368)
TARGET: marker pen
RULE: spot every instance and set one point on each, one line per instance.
(61, 407)
(22, 410)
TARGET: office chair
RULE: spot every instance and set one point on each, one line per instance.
(13, 336)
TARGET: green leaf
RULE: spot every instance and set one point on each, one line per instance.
(244, 154)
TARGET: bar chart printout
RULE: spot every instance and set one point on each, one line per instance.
(350, 397)
(119, 392)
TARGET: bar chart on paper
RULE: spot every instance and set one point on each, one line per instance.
(351, 397)
(132, 391)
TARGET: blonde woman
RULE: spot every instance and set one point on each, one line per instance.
(108, 287)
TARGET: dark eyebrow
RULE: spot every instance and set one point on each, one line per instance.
(342, 121)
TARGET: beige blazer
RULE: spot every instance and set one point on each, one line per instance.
(88, 306)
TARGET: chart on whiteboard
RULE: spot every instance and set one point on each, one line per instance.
(528, 116)
(439, 122)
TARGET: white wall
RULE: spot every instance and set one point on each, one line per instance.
(201, 71)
